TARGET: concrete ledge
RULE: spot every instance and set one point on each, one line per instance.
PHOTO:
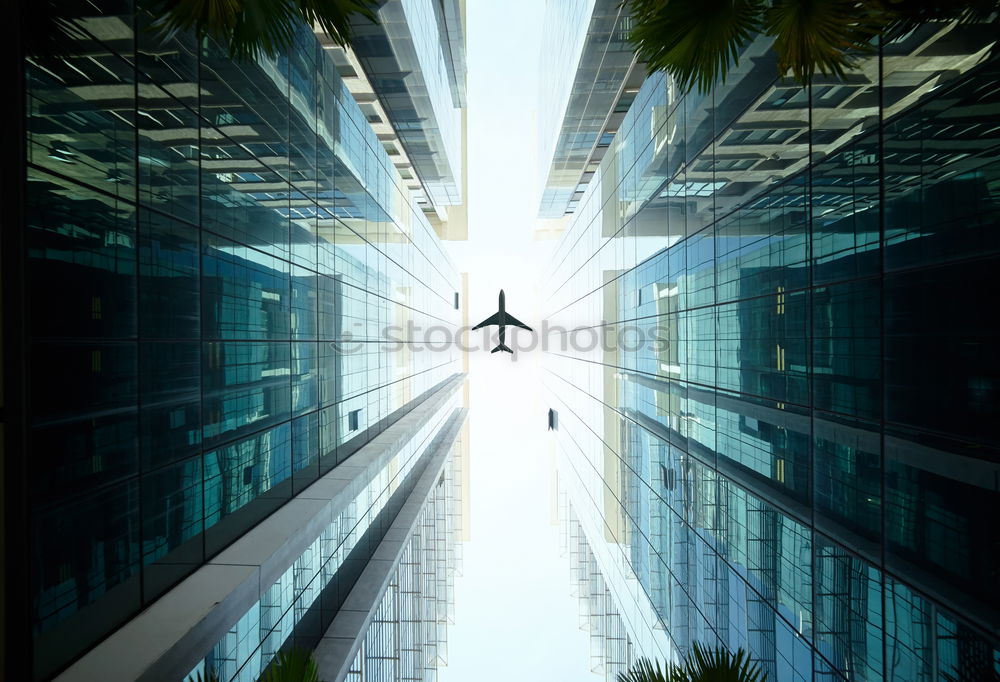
(188, 618)
(169, 638)
(340, 643)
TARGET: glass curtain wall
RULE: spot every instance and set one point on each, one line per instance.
(215, 252)
(773, 359)
(407, 639)
(298, 607)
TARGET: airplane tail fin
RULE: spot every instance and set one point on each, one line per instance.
(502, 348)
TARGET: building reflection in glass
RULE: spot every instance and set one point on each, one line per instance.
(213, 250)
(804, 465)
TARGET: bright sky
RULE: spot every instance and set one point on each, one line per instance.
(515, 616)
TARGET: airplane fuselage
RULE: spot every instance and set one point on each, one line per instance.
(501, 319)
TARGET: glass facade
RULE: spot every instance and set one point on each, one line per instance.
(773, 364)
(586, 61)
(409, 56)
(611, 647)
(299, 606)
(407, 639)
(212, 253)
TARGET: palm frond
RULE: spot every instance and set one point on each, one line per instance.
(263, 27)
(721, 665)
(335, 17)
(698, 41)
(294, 665)
(695, 41)
(645, 670)
(701, 665)
(214, 18)
(251, 28)
(821, 35)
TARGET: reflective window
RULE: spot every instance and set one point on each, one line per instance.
(797, 459)
(200, 235)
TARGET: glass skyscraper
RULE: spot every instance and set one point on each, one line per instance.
(208, 431)
(407, 616)
(772, 365)
(589, 79)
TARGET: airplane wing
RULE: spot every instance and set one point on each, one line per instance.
(513, 321)
(492, 319)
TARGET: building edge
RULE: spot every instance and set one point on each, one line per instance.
(173, 635)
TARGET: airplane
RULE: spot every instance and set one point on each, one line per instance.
(502, 318)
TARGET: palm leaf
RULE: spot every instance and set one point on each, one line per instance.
(263, 27)
(645, 670)
(821, 35)
(294, 665)
(251, 28)
(214, 18)
(335, 17)
(695, 41)
(721, 665)
(701, 665)
(698, 41)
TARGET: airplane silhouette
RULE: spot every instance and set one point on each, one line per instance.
(502, 318)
